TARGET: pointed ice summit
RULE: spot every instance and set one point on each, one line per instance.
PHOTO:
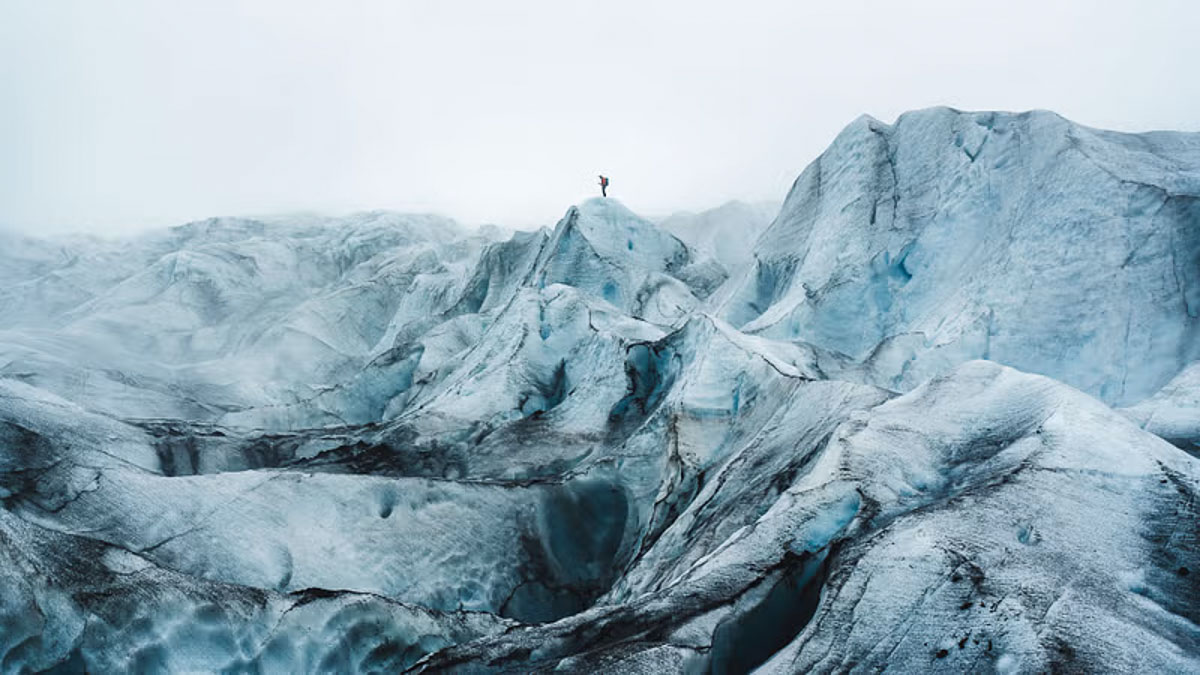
(938, 415)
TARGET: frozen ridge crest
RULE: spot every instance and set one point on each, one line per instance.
(940, 414)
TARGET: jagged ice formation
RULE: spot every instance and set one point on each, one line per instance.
(940, 414)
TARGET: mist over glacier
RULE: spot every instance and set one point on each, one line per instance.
(938, 411)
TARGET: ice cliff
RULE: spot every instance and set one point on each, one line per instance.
(1022, 239)
(940, 414)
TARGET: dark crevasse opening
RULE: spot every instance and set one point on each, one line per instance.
(651, 369)
(745, 641)
(547, 395)
(186, 450)
(574, 556)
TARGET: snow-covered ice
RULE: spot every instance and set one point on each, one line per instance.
(938, 414)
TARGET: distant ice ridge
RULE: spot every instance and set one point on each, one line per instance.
(727, 233)
(215, 317)
(718, 444)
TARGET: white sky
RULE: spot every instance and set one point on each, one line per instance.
(125, 114)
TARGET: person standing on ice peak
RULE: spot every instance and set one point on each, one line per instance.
(603, 186)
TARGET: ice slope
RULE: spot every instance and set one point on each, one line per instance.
(383, 443)
(1020, 238)
(1174, 411)
(76, 604)
(77, 474)
(987, 521)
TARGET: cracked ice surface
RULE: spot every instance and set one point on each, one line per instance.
(383, 442)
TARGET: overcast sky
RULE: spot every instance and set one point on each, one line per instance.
(126, 114)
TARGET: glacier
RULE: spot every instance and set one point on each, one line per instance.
(941, 413)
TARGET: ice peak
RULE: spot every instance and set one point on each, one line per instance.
(608, 209)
